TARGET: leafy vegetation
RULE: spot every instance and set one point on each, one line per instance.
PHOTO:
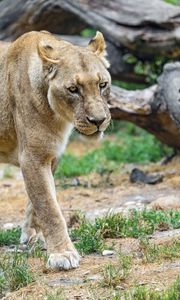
(113, 275)
(131, 144)
(175, 2)
(129, 85)
(14, 272)
(135, 293)
(9, 237)
(150, 70)
(88, 32)
(152, 252)
(57, 295)
(144, 293)
(8, 174)
(90, 237)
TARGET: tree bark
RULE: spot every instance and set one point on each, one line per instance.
(19, 16)
(156, 109)
(144, 28)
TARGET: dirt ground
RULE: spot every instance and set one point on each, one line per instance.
(94, 195)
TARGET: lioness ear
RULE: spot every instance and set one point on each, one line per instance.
(47, 53)
(98, 46)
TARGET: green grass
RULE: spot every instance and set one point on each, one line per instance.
(131, 145)
(156, 253)
(141, 293)
(144, 293)
(8, 173)
(129, 85)
(135, 293)
(89, 237)
(114, 275)
(14, 272)
(175, 2)
(57, 295)
(14, 268)
(10, 237)
(88, 32)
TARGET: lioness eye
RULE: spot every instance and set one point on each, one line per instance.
(102, 85)
(73, 89)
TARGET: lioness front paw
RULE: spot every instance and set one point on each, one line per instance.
(64, 261)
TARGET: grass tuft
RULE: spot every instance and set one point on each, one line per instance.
(144, 293)
(175, 2)
(152, 253)
(14, 272)
(114, 275)
(57, 295)
(90, 237)
(9, 237)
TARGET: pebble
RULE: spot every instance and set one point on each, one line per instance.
(65, 281)
(8, 226)
(95, 277)
(107, 252)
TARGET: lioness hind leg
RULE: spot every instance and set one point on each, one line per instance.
(30, 229)
(27, 231)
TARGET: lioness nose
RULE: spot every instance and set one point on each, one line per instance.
(96, 122)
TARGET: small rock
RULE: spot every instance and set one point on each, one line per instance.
(14, 250)
(166, 203)
(65, 281)
(75, 182)
(107, 252)
(94, 277)
(8, 226)
(120, 287)
(139, 176)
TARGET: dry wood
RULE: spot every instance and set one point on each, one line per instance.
(156, 109)
(19, 16)
(146, 28)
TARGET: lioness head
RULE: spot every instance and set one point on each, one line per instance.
(78, 82)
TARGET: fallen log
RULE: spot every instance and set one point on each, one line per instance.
(155, 109)
(145, 28)
(19, 16)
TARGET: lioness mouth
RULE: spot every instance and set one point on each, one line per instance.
(95, 134)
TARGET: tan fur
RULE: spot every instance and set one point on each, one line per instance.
(37, 114)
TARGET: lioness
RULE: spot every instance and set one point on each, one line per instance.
(47, 87)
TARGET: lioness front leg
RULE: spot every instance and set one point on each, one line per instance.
(41, 191)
